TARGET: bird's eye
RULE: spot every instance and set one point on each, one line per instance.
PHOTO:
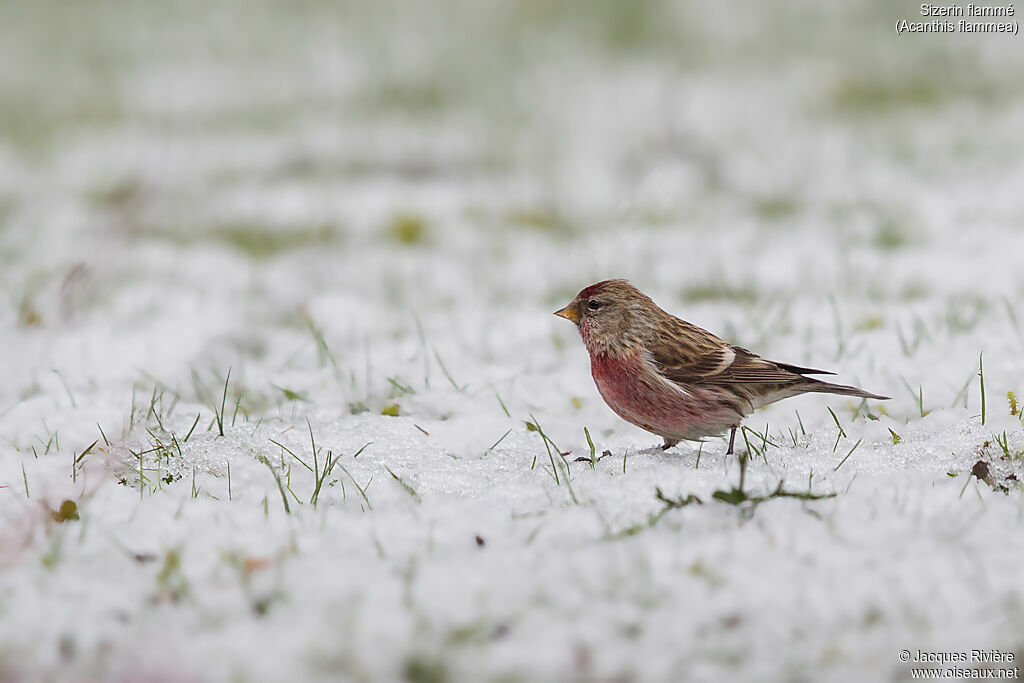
(593, 304)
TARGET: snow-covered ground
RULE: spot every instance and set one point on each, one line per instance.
(366, 214)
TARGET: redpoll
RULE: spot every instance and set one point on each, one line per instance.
(675, 379)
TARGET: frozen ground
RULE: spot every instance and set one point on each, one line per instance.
(367, 215)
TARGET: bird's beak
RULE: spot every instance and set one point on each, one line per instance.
(570, 313)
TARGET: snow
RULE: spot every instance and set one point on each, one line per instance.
(351, 211)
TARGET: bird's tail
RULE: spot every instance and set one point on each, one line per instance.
(814, 385)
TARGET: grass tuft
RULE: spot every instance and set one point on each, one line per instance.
(552, 449)
(277, 479)
(323, 351)
(846, 457)
(776, 207)
(890, 236)
(543, 219)
(981, 377)
(256, 240)
(405, 487)
(77, 459)
(408, 229)
(419, 668)
(219, 415)
(593, 450)
(842, 432)
(504, 408)
(448, 375)
(737, 496)
(500, 439)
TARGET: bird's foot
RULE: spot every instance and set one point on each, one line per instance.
(668, 443)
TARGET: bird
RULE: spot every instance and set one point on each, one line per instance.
(674, 379)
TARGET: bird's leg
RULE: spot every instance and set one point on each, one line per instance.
(669, 443)
(732, 440)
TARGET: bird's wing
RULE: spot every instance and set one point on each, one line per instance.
(686, 354)
(802, 371)
(723, 366)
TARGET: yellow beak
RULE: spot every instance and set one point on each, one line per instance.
(570, 313)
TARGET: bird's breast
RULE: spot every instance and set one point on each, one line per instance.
(631, 386)
(618, 378)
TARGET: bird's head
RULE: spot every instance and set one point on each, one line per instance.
(610, 315)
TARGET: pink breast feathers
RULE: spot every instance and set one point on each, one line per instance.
(631, 386)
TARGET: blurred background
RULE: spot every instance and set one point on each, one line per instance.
(183, 185)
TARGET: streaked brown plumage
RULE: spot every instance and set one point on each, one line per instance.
(673, 378)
